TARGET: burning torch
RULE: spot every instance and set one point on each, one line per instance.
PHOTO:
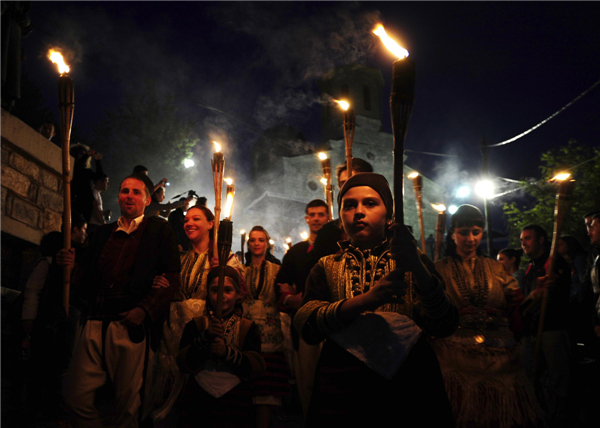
(224, 244)
(440, 228)
(564, 196)
(349, 128)
(326, 166)
(66, 104)
(417, 180)
(402, 98)
(218, 168)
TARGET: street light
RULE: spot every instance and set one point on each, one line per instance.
(485, 189)
(188, 163)
(463, 192)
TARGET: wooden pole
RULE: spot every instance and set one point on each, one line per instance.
(224, 246)
(349, 128)
(563, 204)
(418, 189)
(66, 104)
(439, 233)
(218, 168)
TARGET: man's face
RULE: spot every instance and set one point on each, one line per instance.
(532, 246)
(133, 198)
(594, 231)
(316, 218)
(343, 179)
(79, 234)
(588, 223)
(363, 214)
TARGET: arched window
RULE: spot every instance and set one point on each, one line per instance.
(367, 97)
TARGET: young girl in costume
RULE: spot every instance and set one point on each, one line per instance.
(262, 308)
(221, 356)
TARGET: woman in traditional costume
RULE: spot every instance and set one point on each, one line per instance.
(485, 382)
(261, 306)
(375, 303)
(189, 302)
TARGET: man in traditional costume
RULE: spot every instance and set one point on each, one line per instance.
(125, 311)
(375, 303)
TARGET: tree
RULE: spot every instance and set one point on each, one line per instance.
(583, 162)
(146, 129)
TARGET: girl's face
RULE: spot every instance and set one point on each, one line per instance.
(196, 226)
(467, 240)
(506, 262)
(230, 295)
(257, 244)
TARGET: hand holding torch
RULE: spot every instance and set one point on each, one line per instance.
(66, 104)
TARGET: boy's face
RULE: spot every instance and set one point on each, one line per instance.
(230, 295)
(364, 215)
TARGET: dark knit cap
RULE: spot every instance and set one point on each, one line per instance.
(466, 215)
(230, 272)
(376, 182)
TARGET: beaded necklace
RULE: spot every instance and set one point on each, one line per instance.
(362, 283)
(192, 272)
(480, 278)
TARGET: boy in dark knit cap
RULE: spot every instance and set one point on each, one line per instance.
(373, 302)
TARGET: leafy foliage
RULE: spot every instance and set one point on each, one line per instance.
(148, 130)
(583, 162)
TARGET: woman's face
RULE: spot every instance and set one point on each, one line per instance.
(506, 262)
(196, 226)
(257, 244)
(467, 240)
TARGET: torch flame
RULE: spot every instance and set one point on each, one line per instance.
(412, 175)
(217, 146)
(389, 43)
(228, 206)
(324, 181)
(322, 156)
(242, 232)
(288, 239)
(343, 104)
(229, 181)
(57, 58)
(271, 242)
(560, 177)
(304, 235)
(439, 207)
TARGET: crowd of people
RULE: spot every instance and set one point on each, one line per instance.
(355, 322)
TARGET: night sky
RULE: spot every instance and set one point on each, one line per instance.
(483, 69)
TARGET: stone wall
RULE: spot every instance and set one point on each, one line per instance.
(32, 201)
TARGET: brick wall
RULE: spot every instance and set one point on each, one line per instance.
(32, 201)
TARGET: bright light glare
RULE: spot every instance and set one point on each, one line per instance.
(413, 174)
(304, 235)
(188, 163)
(324, 181)
(452, 209)
(439, 207)
(242, 232)
(463, 192)
(561, 177)
(217, 146)
(485, 189)
(343, 104)
(229, 181)
(271, 242)
(322, 156)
